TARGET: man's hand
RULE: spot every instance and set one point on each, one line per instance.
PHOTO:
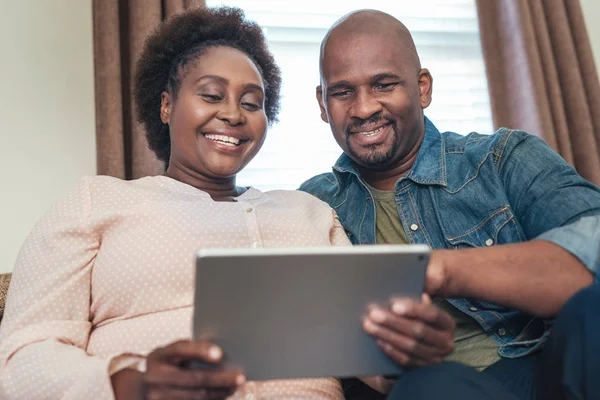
(411, 333)
(436, 279)
(165, 378)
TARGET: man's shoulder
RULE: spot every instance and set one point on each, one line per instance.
(479, 144)
(324, 186)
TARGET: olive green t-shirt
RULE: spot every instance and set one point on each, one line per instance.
(473, 346)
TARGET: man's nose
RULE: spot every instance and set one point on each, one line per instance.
(365, 105)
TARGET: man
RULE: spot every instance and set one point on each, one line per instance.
(516, 231)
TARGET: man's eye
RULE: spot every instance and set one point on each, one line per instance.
(385, 86)
(342, 93)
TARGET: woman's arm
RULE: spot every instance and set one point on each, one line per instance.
(46, 326)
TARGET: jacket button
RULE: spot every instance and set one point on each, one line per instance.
(489, 242)
(473, 309)
(414, 227)
(501, 331)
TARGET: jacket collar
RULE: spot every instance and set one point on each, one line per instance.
(429, 167)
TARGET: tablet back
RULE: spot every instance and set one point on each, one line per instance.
(296, 313)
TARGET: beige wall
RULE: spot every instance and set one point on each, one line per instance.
(46, 108)
(46, 111)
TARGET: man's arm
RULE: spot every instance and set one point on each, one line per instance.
(536, 277)
(559, 212)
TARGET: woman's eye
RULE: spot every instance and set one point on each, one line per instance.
(251, 106)
(213, 98)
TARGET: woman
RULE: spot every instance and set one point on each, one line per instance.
(101, 299)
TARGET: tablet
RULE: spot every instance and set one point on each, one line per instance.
(296, 312)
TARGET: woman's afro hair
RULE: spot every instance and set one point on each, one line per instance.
(179, 41)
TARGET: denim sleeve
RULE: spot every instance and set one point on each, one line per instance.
(582, 239)
(550, 199)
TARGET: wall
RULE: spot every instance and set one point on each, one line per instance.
(46, 111)
(591, 12)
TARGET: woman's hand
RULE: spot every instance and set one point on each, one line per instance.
(411, 333)
(165, 378)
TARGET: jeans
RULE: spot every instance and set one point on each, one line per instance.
(568, 368)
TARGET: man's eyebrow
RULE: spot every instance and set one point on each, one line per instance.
(376, 78)
(386, 75)
(338, 85)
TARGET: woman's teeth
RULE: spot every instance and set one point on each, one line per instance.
(226, 140)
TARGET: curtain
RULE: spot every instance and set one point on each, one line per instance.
(542, 77)
(120, 29)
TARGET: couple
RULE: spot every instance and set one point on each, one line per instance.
(101, 299)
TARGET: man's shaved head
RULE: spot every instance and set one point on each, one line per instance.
(374, 23)
(373, 90)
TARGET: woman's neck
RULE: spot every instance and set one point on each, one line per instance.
(219, 189)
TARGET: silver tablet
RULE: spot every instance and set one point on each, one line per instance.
(296, 312)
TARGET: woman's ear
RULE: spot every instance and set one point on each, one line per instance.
(166, 103)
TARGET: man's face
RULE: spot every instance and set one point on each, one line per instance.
(372, 94)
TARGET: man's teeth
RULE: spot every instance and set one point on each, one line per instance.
(226, 140)
(371, 133)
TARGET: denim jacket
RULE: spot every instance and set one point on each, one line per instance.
(476, 191)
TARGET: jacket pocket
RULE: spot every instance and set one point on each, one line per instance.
(497, 228)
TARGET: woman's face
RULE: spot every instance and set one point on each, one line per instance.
(217, 121)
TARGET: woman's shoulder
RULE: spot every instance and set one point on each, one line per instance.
(297, 198)
(111, 183)
(99, 189)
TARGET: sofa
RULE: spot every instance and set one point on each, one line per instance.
(4, 282)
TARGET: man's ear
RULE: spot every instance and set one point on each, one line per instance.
(425, 87)
(166, 104)
(321, 104)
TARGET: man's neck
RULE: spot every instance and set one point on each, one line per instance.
(386, 179)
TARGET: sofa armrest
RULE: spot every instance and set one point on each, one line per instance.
(4, 282)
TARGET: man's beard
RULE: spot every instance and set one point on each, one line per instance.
(378, 156)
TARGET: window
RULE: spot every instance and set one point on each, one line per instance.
(446, 34)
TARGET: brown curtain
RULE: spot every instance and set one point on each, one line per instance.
(542, 77)
(120, 28)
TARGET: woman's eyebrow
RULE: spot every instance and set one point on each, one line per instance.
(214, 77)
(254, 87)
(247, 86)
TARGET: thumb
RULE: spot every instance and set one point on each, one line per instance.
(425, 299)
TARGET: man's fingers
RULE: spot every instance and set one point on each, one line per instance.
(407, 344)
(404, 359)
(427, 312)
(169, 375)
(418, 331)
(181, 350)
